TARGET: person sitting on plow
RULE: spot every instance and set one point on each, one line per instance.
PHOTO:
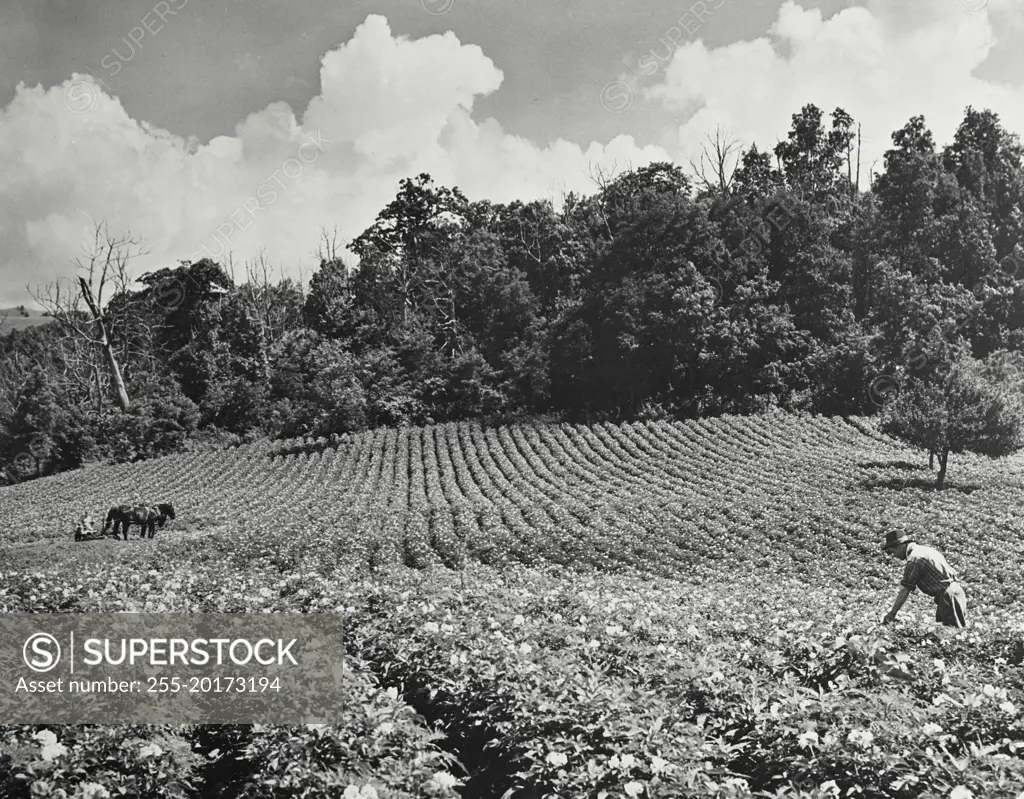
(928, 570)
(86, 530)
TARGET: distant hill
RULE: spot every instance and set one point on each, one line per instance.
(15, 319)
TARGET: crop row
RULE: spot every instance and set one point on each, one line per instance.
(669, 497)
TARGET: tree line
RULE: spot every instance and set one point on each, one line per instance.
(759, 279)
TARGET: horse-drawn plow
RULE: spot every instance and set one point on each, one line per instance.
(121, 517)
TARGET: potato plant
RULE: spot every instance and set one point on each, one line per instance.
(639, 610)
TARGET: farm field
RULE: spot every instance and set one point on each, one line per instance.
(656, 609)
(14, 319)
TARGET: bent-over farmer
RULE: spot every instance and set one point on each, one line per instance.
(928, 570)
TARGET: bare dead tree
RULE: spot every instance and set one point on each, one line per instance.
(103, 341)
(105, 265)
(719, 158)
(603, 178)
(443, 290)
(330, 247)
(530, 237)
(257, 288)
(257, 292)
(133, 330)
(854, 182)
(871, 173)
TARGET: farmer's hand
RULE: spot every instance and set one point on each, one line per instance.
(888, 618)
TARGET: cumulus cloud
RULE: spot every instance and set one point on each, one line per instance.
(389, 107)
(882, 63)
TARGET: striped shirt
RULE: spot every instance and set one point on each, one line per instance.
(928, 570)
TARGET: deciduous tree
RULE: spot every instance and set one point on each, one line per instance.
(964, 412)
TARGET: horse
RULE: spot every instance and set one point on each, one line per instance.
(146, 516)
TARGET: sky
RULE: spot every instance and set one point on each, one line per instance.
(243, 128)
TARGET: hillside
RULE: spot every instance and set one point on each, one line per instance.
(14, 319)
(790, 493)
(662, 609)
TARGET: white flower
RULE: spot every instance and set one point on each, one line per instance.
(633, 788)
(1008, 707)
(830, 787)
(658, 765)
(525, 649)
(431, 627)
(444, 779)
(52, 752)
(93, 790)
(931, 728)
(45, 738)
(368, 792)
(150, 750)
(557, 759)
(351, 792)
(961, 792)
(50, 748)
(385, 728)
(518, 621)
(627, 761)
(861, 738)
(807, 738)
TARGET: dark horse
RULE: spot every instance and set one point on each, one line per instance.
(147, 517)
